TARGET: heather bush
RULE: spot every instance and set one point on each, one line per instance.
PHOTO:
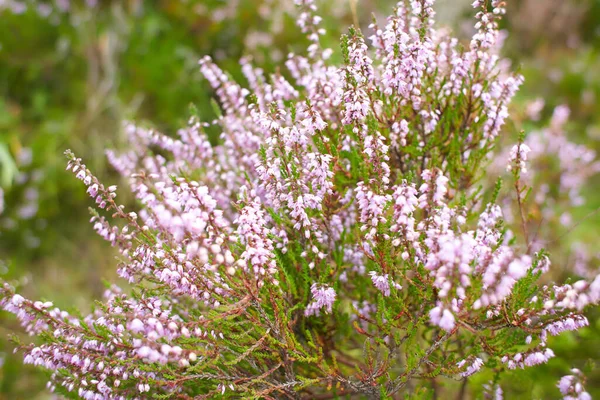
(338, 239)
(87, 66)
(70, 72)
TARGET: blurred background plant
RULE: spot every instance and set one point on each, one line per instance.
(71, 72)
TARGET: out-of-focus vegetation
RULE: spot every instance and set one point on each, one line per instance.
(71, 72)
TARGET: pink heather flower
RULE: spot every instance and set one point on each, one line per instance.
(472, 366)
(399, 133)
(136, 326)
(571, 386)
(501, 274)
(532, 358)
(17, 300)
(538, 357)
(323, 297)
(371, 206)
(576, 296)
(518, 157)
(570, 323)
(442, 318)
(565, 383)
(405, 203)
(254, 234)
(381, 282)
(434, 187)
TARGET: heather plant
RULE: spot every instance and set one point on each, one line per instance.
(70, 72)
(338, 238)
(555, 170)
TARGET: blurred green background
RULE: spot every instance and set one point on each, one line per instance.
(71, 72)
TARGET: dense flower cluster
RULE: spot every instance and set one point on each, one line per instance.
(571, 386)
(339, 212)
(323, 297)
